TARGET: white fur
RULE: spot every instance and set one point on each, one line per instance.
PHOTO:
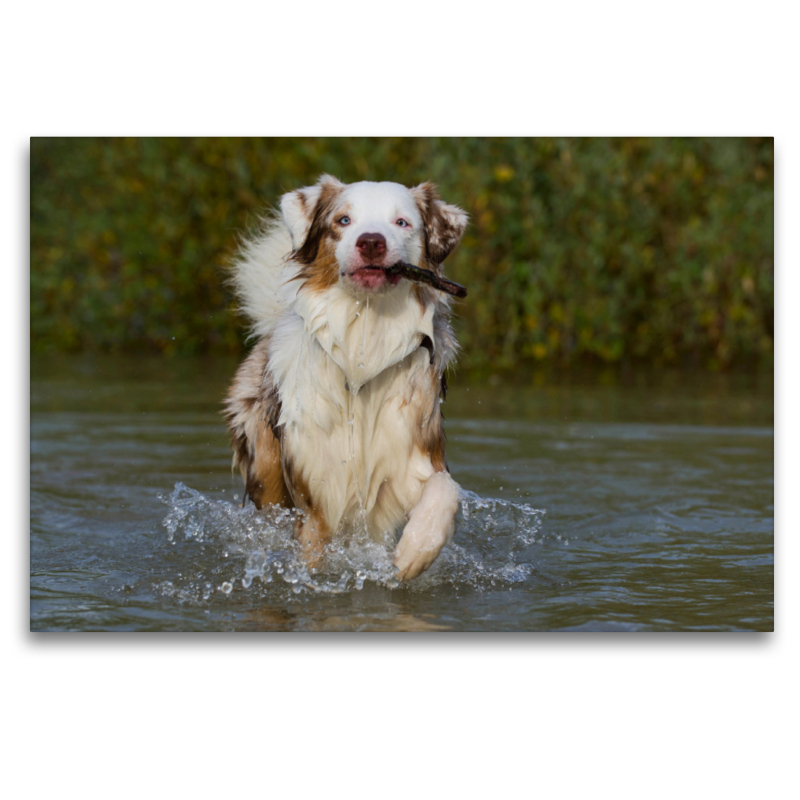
(430, 526)
(376, 208)
(261, 277)
(351, 375)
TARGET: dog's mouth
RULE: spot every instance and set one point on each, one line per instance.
(372, 277)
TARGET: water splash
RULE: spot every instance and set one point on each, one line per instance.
(226, 550)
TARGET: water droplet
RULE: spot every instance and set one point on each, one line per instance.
(227, 587)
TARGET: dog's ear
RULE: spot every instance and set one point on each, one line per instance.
(444, 224)
(298, 208)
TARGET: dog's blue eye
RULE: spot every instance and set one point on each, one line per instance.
(344, 220)
(402, 223)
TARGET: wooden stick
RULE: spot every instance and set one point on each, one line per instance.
(412, 273)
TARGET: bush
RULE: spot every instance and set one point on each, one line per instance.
(579, 250)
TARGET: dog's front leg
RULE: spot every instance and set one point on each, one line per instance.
(429, 527)
(313, 534)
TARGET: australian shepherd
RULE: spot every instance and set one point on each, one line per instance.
(337, 409)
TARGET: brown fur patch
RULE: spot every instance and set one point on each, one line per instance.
(252, 410)
(323, 272)
(320, 269)
(264, 482)
(312, 531)
(429, 436)
(436, 445)
(321, 227)
(440, 234)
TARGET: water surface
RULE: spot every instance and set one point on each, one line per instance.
(589, 504)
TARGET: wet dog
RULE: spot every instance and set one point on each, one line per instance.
(336, 411)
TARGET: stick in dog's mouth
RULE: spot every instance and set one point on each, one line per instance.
(413, 273)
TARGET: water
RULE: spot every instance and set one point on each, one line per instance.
(645, 504)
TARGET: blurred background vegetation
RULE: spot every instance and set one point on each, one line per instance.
(579, 251)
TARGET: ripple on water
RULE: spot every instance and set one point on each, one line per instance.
(223, 549)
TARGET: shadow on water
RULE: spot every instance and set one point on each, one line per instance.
(658, 499)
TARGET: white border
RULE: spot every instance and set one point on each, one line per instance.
(490, 715)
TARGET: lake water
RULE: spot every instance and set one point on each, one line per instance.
(596, 504)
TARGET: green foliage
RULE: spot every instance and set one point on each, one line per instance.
(600, 250)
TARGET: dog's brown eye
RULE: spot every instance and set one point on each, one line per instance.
(343, 220)
(402, 223)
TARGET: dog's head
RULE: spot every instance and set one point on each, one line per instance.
(348, 233)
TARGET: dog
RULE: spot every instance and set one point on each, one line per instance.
(337, 409)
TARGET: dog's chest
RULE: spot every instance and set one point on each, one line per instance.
(354, 401)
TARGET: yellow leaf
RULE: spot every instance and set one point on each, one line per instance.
(503, 173)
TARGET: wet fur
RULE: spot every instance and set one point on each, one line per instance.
(319, 350)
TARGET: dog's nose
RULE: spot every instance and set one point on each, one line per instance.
(371, 245)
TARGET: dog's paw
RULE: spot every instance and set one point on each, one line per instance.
(429, 528)
(416, 551)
